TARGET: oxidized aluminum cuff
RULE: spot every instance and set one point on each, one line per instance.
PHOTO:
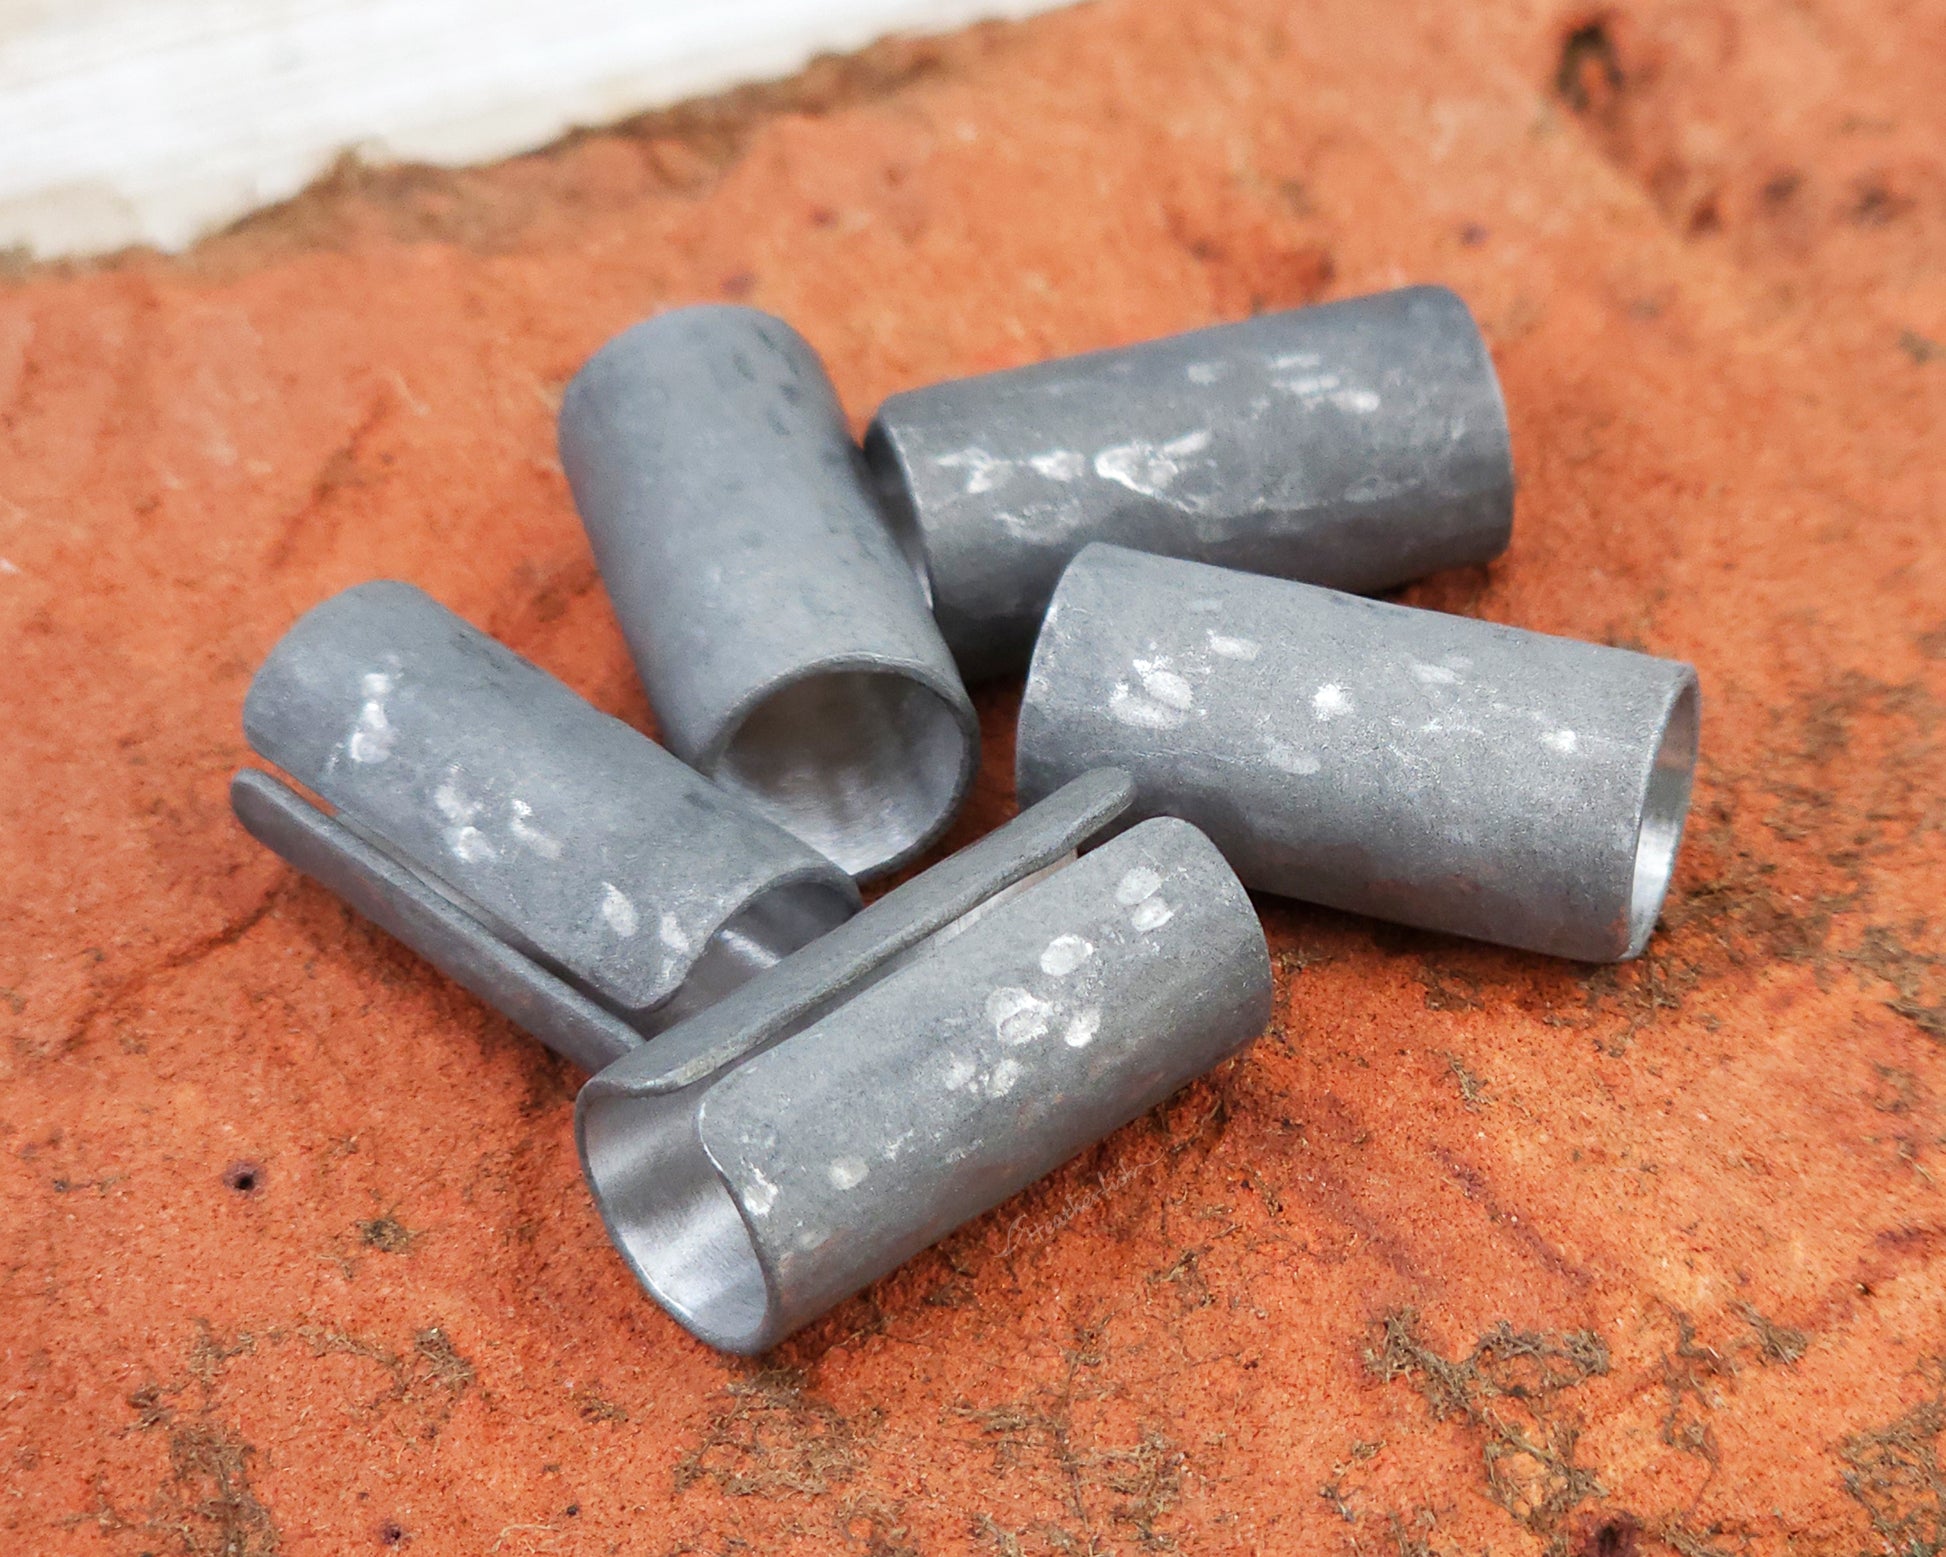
(1425, 768)
(553, 860)
(1356, 444)
(952, 1043)
(785, 645)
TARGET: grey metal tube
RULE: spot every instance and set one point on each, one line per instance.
(401, 902)
(754, 1196)
(1430, 769)
(572, 840)
(784, 643)
(1358, 444)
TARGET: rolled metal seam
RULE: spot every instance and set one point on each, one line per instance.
(1430, 769)
(1356, 444)
(403, 904)
(874, 1100)
(785, 645)
(555, 861)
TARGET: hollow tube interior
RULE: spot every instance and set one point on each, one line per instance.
(1665, 806)
(669, 1210)
(863, 765)
(758, 937)
(673, 1218)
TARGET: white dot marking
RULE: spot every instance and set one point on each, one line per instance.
(1064, 954)
(1165, 685)
(471, 845)
(1330, 700)
(1149, 468)
(1131, 708)
(1059, 464)
(983, 471)
(1234, 648)
(1017, 1016)
(373, 737)
(617, 910)
(544, 844)
(1138, 884)
(848, 1172)
(1290, 759)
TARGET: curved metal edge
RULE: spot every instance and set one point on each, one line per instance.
(662, 1125)
(1685, 684)
(819, 975)
(891, 483)
(407, 615)
(949, 689)
(782, 1318)
(1502, 425)
(1025, 779)
(389, 895)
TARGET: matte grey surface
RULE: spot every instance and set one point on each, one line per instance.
(931, 905)
(920, 1081)
(572, 839)
(784, 642)
(398, 902)
(1358, 444)
(1430, 769)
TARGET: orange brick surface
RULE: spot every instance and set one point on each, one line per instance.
(1475, 1251)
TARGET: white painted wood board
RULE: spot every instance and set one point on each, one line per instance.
(156, 121)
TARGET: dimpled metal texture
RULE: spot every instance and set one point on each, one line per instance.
(752, 1194)
(784, 643)
(400, 902)
(478, 799)
(1358, 444)
(1430, 769)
